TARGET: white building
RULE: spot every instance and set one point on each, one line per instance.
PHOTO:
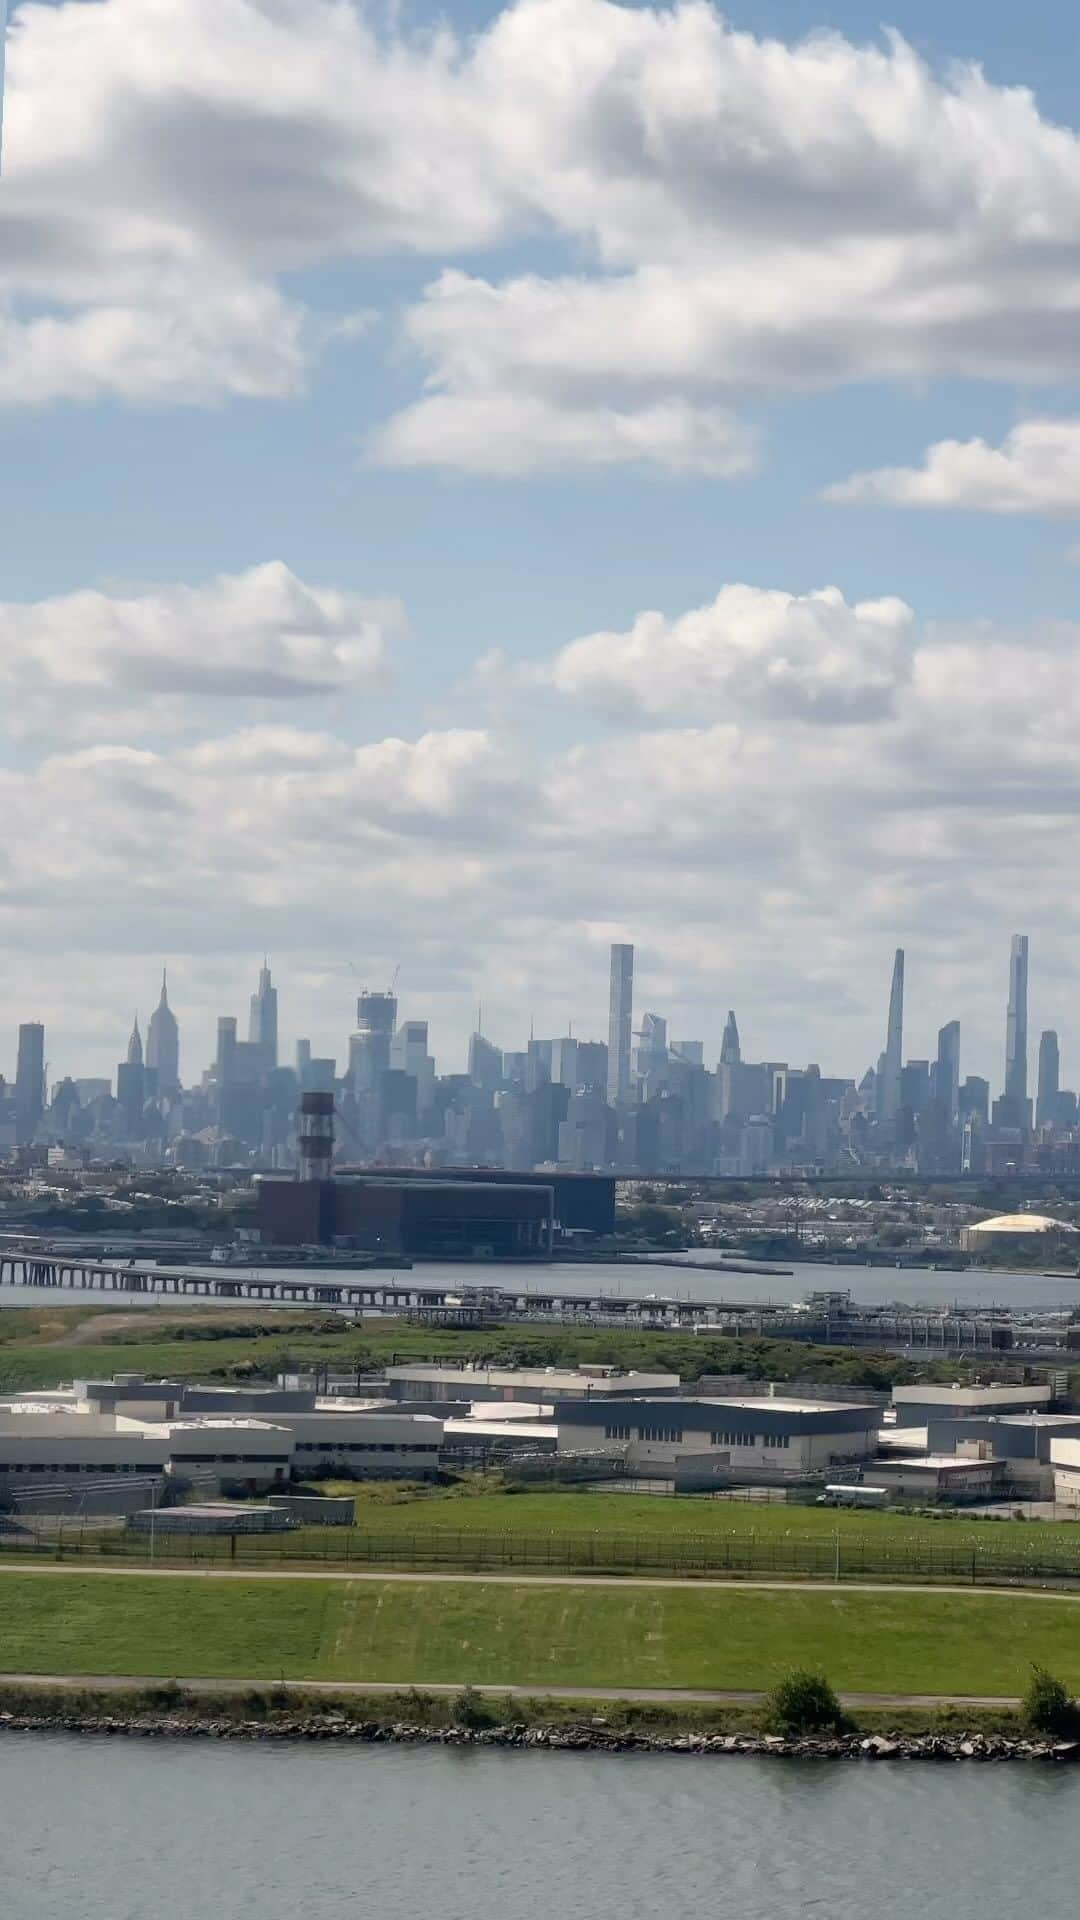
(1065, 1460)
(460, 1384)
(769, 1434)
(917, 1406)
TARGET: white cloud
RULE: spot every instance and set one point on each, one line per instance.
(149, 658)
(797, 783)
(497, 432)
(809, 656)
(1035, 470)
(741, 215)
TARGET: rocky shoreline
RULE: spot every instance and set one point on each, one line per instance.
(587, 1738)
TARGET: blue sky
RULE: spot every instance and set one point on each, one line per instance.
(825, 264)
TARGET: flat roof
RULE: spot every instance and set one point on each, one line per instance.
(929, 1393)
(1038, 1420)
(504, 1429)
(940, 1463)
(773, 1403)
(239, 1425)
(535, 1376)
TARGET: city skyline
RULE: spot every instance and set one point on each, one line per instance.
(1016, 1073)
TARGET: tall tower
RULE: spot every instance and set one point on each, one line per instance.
(1016, 1034)
(947, 1074)
(262, 1023)
(892, 1058)
(620, 1023)
(163, 1043)
(1049, 1078)
(730, 1051)
(134, 1049)
(29, 1082)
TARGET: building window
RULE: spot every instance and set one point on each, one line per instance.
(776, 1439)
(670, 1435)
(728, 1439)
(616, 1433)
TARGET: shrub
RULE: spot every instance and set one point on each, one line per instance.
(804, 1702)
(471, 1710)
(1047, 1707)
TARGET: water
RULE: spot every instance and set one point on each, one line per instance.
(918, 1286)
(116, 1830)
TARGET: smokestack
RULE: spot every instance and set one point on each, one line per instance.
(316, 1136)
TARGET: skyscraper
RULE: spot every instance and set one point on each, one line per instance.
(369, 1047)
(1049, 1079)
(262, 1023)
(947, 1072)
(620, 1021)
(163, 1043)
(730, 1051)
(29, 1082)
(134, 1046)
(892, 1058)
(1016, 1038)
(131, 1086)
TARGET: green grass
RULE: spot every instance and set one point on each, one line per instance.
(33, 1352)
(526, 1635)
(659, 1517)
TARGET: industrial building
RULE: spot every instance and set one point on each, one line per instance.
(1065, 1461)
(770, 1436)
(461, 1384)
(421, 1219)
(950, 1478)
(1022, 1441)
(916, 1406)
(246, 1438)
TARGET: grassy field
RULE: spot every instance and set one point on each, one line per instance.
(659, 1515)
(531, 1635)
(46, 1346)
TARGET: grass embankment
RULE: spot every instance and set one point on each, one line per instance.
(45, 1346)
(531, 1634)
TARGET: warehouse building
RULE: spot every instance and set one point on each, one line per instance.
(420, 1219)
(949, 1479)
(465, 1384)
(771, 1436)
(916, 1406)
(1022, 1440)
(43, 1444)
(160, 1428)
(1065, 1460)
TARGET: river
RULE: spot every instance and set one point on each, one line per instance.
(916, 1286)
(119, 1829)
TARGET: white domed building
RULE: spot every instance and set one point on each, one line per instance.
(1019, 1232)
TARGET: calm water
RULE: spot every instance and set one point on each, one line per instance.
(118, 1830)
(869, 1285)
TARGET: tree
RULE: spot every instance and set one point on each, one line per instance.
(1047, 1706)
(804, 1702)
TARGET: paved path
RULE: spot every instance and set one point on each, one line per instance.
(382, 1575)
(659, 1696)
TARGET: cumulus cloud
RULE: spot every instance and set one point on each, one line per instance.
(810, 656)
(741, 214)
(1035, 470)
(496, 432)
(263, 635)
(796, 783)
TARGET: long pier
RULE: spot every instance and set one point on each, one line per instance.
(360, 1292)
(893, 1328)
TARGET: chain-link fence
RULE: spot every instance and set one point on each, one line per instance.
(1041, 1557)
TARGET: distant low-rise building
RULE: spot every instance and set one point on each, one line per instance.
(771, 1436)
